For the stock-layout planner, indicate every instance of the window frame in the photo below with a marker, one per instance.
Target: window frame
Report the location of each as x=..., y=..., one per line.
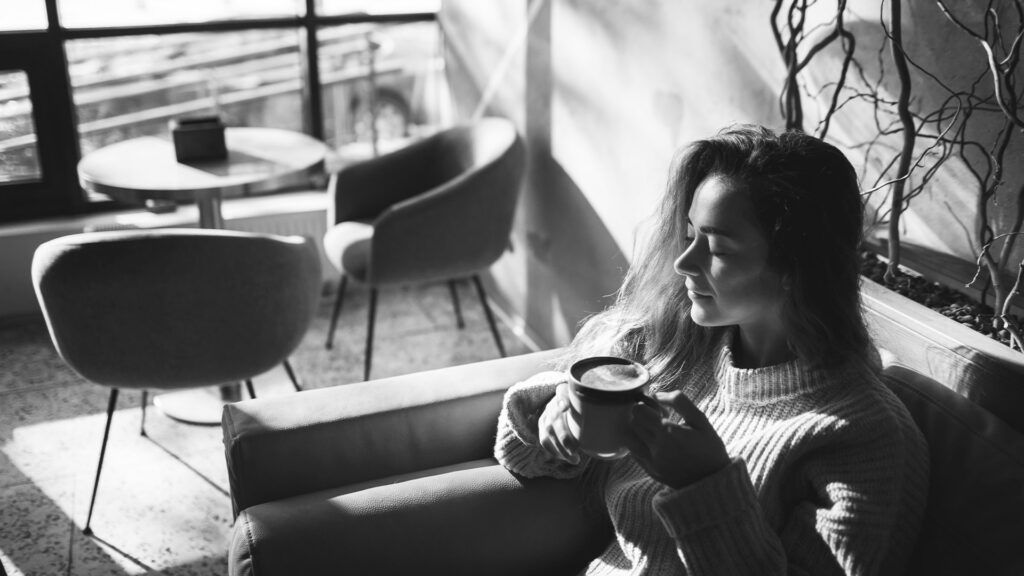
x=42, y=56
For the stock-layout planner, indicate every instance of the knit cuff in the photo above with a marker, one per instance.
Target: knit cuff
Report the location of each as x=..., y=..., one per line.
x=719, y=527
x=711, y=501
x=524, y=402
x=517, y=446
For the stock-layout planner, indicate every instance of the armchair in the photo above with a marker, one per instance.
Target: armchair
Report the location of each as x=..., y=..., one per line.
x=395, y=476
x=172, y=309
x=440, y=209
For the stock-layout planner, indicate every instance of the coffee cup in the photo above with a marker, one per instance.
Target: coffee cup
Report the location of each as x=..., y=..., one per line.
x=602, y=391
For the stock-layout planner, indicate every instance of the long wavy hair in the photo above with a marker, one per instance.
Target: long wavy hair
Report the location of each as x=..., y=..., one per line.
x=807, y=202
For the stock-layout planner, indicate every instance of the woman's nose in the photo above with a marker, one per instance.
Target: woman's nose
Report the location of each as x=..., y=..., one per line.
x=684, y=264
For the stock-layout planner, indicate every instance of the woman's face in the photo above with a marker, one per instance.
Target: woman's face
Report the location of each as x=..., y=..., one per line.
x=725, y=264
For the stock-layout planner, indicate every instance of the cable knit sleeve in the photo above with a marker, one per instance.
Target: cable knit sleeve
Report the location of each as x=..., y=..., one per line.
x=857, y=493
x=517, y=446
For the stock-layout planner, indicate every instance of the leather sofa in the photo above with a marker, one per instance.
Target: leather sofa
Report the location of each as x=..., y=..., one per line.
x=395, y=476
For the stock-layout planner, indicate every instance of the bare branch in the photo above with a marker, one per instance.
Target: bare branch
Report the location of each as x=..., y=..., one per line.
x=849, y=43
x=903, y=170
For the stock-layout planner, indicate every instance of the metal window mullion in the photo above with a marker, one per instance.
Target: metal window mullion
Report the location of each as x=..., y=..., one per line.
x=313, y=95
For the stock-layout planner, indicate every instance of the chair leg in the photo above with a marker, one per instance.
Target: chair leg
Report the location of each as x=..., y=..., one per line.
x=337, y=310
x=111, y=403
x=291, y=375
x=368, y=359
x=142, y=423
x=487, y=312
x=455, y=303
x=249, y=387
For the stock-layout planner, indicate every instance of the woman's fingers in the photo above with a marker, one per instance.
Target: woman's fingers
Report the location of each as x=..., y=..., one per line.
x=646, y=422
x=562, y=393
x=692, y=415
x=556, y=437
x=639, y=448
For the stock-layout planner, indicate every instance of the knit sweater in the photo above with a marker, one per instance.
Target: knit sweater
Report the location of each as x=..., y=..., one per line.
x=828, y=475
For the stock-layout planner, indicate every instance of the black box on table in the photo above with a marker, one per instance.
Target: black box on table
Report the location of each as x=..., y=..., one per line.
x=199, y=138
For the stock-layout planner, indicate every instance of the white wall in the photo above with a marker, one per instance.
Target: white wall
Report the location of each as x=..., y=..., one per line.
x=605, y=92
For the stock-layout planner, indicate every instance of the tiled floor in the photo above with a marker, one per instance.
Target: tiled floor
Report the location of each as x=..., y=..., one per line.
x=163, y=505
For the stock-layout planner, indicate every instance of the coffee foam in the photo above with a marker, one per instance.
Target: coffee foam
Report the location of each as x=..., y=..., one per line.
x=612, y=377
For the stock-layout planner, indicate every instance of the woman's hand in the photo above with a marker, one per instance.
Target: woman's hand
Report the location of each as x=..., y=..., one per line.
x=676, y=455
x=556, y=436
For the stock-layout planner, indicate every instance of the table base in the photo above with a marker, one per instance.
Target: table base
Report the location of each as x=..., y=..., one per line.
x=198, y=405
x=204, y=405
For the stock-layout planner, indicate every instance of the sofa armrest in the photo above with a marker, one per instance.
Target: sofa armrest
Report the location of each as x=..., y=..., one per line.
x=325, y=438
x=478, y=521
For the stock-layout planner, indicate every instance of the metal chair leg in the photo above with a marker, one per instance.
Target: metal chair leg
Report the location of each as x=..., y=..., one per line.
x=145, y=401
x=291, y=375
x=111, y=403
x=249, y=387
x=368, y=359
x=455, y=303
x=487, y=312
x=337, y=310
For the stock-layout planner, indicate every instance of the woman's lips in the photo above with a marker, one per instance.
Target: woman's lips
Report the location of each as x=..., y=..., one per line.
x=696, y=295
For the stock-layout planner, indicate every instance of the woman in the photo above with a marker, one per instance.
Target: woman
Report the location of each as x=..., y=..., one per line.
x=781, y=452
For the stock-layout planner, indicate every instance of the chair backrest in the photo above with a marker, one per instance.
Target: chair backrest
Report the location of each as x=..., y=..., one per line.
x=462, y=225
x=176, y=308
x=465, y=147
x=974, y=521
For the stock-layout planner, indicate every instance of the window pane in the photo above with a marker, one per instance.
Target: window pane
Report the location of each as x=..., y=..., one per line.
x=335, y=7
x=19, y=157
x=102, y=13
x=407, y=85
x=132, y=86
x=23, y=15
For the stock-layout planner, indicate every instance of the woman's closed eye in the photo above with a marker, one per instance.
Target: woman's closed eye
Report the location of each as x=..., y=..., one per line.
x=713, y=250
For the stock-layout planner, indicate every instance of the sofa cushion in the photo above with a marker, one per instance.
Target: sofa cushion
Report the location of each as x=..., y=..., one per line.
x=499, y=524
x=974, y=523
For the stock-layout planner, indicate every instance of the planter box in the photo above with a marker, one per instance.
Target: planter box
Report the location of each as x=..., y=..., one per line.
x=988, y=373
x=947, y=270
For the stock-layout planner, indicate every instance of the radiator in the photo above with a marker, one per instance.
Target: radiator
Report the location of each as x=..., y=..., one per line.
x=313, y=225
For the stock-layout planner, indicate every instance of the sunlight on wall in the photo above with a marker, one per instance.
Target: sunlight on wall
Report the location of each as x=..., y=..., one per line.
x=612, y=90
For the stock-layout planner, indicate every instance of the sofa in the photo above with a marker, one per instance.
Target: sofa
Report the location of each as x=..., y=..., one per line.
x=396, y=476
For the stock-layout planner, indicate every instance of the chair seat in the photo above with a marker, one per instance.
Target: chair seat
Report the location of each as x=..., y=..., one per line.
x=347, y=247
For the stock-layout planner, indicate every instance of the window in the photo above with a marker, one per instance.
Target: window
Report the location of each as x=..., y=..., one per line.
x=378, y=6
x=108, y=13
x=382, y=84
x=23, y=15
x=19, y=155
x=131, y=86
x=103, y=71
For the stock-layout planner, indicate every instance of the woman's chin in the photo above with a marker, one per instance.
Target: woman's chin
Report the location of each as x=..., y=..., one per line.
x=702, y=317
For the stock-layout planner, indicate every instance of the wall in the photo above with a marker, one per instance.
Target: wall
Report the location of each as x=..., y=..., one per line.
x=605, y=92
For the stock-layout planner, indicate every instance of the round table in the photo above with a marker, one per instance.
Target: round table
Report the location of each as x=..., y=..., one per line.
x=259, y=160
x=145, y=169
